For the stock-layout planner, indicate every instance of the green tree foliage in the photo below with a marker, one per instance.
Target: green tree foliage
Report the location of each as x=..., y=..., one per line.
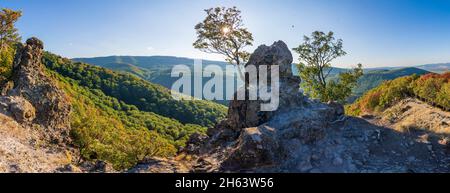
x=223, y=32
x=431, y=88
x=443, y=98
x=434, y=89
x=131, y=90
x=374, y=78
x=6, y=63
x=316, y=54
x=8, y=32
x=8, y=37
x=104, y=128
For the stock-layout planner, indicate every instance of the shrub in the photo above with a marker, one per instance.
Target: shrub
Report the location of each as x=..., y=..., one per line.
x=105, y=129
x=6, y=64
x=431, y=88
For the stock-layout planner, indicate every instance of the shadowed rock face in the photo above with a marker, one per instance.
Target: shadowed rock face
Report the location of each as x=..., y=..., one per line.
x=34, y=96
x=256, y=137
x=247, y=113
x=307, y=136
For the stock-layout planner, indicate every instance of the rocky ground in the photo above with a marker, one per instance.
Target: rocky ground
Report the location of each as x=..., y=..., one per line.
x=312, y=137
x=21, y=150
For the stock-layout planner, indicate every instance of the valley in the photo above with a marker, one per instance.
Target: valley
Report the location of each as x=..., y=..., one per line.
x=62, y=113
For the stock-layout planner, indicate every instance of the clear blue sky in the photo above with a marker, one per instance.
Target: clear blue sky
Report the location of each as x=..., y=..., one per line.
x=375, y=32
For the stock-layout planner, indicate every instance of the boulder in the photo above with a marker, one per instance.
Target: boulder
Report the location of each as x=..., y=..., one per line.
x=194, y=142
x=256, y=146
x=18, y=108
x=22, y=110
x=338, y=109
x=103, y=167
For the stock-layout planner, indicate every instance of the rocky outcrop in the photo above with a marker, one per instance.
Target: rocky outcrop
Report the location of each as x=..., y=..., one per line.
x=305, y=135
x=254, y=138
x=247, y=113
x=34, y=96
x=34, y=117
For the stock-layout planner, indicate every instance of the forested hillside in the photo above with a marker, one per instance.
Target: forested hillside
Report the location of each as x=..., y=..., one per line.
x=105, y=129
x=134, y=91
x=374, y=78
x=431, y=88
x=153, y=63
x=155, y=69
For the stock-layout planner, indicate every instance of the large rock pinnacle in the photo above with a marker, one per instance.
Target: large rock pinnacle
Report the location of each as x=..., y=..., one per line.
x=250, y=137
x=247, y=113
x=276, y=54
x=52, y=107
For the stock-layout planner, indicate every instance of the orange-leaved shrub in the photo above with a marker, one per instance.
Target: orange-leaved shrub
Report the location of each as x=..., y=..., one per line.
x=431, y=88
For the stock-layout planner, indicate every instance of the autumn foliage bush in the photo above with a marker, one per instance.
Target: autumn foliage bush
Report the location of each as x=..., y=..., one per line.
x=431, y=88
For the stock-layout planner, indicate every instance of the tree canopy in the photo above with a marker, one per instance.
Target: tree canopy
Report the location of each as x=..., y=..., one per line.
x=8, y=32
x=142, y=94
x=8, y=37
x=315, y=56
x=223, y=32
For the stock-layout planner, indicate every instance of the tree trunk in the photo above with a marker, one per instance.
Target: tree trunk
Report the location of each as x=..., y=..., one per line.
x=241, y=74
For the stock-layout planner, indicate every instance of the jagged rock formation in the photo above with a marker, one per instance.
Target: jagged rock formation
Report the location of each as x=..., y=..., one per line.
x=307, y=136
x=35, y=97
x=247, y=113
x=34, y=116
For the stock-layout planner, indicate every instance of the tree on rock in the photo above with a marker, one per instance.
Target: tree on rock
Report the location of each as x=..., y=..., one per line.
x=316, y=54
x=223, y=32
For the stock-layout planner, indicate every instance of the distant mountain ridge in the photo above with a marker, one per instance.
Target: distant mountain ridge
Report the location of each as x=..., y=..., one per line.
x=147, y=62
x=372, y=79
x=438, y=68
x=156, y=69
x=165, y=62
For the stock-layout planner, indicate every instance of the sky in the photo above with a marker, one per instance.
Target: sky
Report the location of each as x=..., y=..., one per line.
x=376, y=33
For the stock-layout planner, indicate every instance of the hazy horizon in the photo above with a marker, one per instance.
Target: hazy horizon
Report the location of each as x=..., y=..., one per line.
x=376, y=33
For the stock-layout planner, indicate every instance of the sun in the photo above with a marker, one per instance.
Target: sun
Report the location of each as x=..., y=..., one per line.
x=226, y=30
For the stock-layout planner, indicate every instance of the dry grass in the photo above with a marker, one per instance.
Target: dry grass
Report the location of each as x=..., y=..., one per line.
x=408, y=127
